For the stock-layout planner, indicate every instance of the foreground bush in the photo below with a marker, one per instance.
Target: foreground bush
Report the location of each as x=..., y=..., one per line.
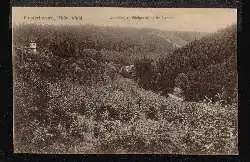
x=120, y=117
x=68, y=105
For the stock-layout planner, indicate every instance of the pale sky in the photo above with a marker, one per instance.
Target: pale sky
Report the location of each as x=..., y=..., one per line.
x=181, y=19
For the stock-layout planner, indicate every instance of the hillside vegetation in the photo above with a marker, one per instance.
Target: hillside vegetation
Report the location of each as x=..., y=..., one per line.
x=210, y=65
x=69, y=100
x=120, y=45
x=67, y=116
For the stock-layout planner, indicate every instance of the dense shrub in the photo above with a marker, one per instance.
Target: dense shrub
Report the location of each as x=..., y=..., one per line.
x=144, y=72
x=209, y=65
x=77, y=103
x=132, y=120
x=120, y=45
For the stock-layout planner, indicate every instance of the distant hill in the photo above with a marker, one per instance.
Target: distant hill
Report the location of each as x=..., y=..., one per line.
x=116, y=43
x=179, y=38
x=212, y=49
x=209, y=63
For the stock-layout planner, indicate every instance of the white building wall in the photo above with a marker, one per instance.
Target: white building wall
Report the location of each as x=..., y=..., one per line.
x=33, y=45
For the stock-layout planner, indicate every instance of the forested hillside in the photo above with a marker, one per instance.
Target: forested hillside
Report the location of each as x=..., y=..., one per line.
x=69, y=96
x=208, y=63
x=121, y=45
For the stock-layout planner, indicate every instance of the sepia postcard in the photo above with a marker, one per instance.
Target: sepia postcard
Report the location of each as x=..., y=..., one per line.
x=110, y=80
